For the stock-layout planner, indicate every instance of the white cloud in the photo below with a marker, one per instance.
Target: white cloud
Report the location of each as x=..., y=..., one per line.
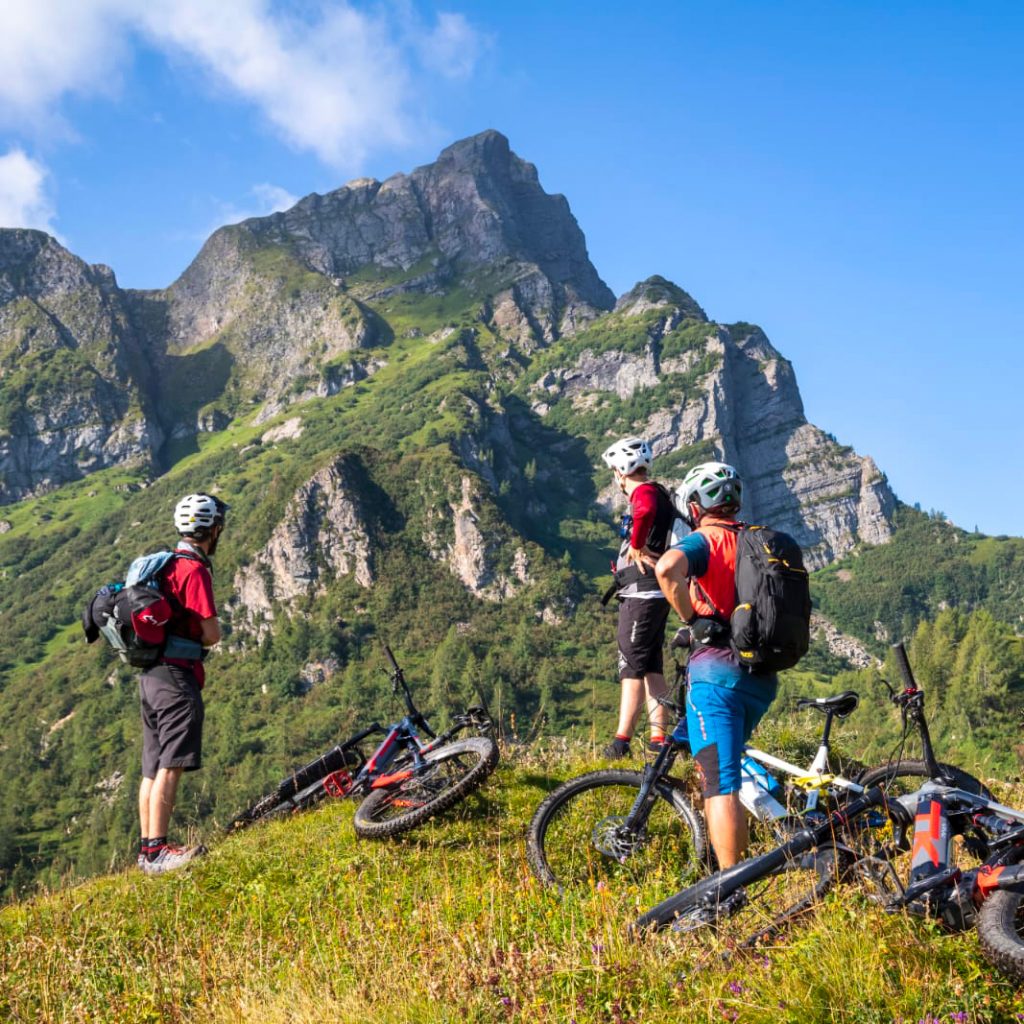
x=452, y=48
x=266, y=199
x=337, y=84
x=49, y=48
x=24, y=202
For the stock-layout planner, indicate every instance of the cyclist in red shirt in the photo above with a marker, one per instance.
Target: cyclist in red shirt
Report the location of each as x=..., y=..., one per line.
x=643, y=610
x=171, y=701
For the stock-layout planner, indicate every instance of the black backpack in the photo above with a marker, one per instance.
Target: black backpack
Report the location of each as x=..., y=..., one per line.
x=132, y=616
x=770, y=627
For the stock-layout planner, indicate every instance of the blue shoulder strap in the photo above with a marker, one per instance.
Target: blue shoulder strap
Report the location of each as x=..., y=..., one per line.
x=145, y=567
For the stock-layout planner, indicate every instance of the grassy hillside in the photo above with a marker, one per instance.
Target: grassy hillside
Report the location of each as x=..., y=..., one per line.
x=447, y=408
x=299, y=921
x=881, y=593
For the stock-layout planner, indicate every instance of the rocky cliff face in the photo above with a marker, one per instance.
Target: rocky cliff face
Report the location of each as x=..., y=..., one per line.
x=477, y=215
x=74, y=388
x=467, y=258
x=725, y=393
x=324, y=533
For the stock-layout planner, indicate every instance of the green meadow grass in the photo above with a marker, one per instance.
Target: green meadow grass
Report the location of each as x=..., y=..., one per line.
x=297, y=920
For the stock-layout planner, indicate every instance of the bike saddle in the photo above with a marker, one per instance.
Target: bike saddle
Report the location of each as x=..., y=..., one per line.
x=841, y=704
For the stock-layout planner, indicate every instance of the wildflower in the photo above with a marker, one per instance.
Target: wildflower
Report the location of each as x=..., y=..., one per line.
x=596, y=947
x=736, y=988
x=960, y=1017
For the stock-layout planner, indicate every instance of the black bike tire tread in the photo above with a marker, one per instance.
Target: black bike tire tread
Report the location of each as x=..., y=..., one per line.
x=917, y=769
x=548, y=807
x=998, y=936
x=271, y=806
x=368, y=829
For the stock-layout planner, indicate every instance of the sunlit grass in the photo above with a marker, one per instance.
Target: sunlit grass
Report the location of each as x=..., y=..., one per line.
x=300, y=921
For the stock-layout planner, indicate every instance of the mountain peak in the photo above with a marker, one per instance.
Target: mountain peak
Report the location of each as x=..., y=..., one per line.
x=477, y=206
x=657, y=291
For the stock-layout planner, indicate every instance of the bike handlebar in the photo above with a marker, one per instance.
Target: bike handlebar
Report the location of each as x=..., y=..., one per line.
x=391, y=658
x=903, y=664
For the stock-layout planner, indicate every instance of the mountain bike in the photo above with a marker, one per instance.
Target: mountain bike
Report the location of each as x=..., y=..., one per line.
x=907, y=850
x=641, y=828
x=403, y=782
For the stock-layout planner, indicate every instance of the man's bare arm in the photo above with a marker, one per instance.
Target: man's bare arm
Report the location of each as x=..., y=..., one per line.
x=210, y=634
x=672, y=571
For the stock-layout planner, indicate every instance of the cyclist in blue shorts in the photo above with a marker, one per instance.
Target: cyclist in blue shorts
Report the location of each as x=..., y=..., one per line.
x=724, y=702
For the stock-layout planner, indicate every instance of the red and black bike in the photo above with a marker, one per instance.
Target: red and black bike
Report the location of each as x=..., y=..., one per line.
x=404, y=782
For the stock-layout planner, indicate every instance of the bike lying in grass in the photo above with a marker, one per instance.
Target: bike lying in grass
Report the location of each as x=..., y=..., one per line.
x=642, y=829
x=404, y=781
x=942, y=850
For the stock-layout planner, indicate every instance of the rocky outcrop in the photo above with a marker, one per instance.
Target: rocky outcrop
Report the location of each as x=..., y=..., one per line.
x=733, y=397
x=324, y=534
x=842, y=644
x=474, y=553
x=476, y=216
x=74, y=386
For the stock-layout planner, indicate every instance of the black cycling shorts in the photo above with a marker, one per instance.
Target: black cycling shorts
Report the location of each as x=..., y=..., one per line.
x=172, y=720
x=641, y=636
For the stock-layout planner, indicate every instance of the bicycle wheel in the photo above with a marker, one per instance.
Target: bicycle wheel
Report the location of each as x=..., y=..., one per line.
x=752, y=902
x=577, y=839
x=302, y=789
x=449, y=774
x=1001, y=930
x=906, y=776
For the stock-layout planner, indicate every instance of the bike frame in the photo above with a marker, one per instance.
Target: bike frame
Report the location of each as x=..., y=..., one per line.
x=812, y=779
x=948, y=893
x=399, y=737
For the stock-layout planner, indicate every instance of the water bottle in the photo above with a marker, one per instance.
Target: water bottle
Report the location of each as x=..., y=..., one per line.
x=758, y=788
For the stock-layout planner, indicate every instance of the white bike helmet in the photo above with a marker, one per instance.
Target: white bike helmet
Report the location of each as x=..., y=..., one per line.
x=713, y=486
x=196, y=513
x=628, y=455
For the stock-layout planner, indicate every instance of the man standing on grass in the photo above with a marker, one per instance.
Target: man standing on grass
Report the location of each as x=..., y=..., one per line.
x=643, y=610
x=170, y=691
x=724, y=702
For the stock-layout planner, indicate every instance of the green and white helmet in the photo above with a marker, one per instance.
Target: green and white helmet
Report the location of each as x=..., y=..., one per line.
x=713, y=486
x=628, y=455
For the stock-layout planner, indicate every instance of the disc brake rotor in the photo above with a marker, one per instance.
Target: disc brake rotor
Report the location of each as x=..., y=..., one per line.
x=613, y=839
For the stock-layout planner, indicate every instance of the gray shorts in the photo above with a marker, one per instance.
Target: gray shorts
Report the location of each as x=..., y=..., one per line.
x=172, y=720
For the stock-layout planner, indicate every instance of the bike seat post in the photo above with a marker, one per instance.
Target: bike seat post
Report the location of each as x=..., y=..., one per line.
x=827, y=730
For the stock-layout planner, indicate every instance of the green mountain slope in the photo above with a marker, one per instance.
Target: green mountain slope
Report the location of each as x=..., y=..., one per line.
x=299, y=921
x=402, y=388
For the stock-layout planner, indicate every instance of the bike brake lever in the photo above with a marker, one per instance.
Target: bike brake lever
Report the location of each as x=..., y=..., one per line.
x=892, y=692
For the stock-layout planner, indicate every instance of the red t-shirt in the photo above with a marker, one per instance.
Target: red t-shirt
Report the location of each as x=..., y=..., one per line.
x=652, y=518
x=190, y=585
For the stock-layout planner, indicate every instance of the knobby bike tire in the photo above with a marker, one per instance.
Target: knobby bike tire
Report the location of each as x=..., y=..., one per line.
x=917, y=770
x=272, y=806
x=431, y=789
x=571, y=841
x=1001, y=932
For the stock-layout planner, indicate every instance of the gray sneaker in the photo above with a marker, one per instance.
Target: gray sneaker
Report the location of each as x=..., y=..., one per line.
x=170, y=858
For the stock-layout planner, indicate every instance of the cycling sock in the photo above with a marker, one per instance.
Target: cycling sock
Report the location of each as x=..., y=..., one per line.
x=155, y=846
x=622, y=739
x=143, y=846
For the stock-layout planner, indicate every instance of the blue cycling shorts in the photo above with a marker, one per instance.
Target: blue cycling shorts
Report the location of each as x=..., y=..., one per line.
x=720, y=720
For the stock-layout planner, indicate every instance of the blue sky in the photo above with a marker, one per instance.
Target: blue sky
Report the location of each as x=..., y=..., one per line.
x=846, y=175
